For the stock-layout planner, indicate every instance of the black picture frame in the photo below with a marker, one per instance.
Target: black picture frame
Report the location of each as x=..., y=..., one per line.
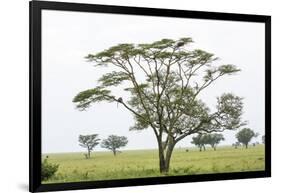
x=36, y=8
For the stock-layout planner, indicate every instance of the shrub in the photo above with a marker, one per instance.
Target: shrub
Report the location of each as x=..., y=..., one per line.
x=48, y=169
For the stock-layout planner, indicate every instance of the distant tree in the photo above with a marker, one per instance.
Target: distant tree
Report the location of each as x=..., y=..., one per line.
x=245, y=136
x=114, y=142
x=256, y=134
x=236, y=144
x=263, y=139
x=89, y=142
x=214, y=139
x=207, y=139
x=199, y=141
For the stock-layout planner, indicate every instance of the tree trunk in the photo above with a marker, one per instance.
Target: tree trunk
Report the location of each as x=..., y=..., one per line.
x=164, y=160
x=89, y=153
x=114, y=152
x=169, y=155
x=246, y=145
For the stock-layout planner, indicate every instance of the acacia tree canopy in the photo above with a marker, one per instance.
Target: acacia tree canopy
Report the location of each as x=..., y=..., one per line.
x=165, y=97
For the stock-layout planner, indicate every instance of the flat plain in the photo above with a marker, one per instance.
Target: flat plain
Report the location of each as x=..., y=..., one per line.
x=73, y=167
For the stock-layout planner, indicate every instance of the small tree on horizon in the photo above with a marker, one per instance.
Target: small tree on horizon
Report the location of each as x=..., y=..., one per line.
x=236, y=144
x=199, y=141
x=263, y=139
x=214, y=139
x=245, y=135
x=88, y=142
x=114, y=142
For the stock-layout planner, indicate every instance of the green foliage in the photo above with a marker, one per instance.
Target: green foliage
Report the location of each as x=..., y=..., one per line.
x=229, y=112
x=245, y=135
x=48, y=169
x=228, y=69
x=113, y=79
x=85, y=98
x=167, y=98
x=114, y=142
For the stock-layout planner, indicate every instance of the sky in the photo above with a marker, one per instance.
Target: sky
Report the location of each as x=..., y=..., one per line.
x=67, y=37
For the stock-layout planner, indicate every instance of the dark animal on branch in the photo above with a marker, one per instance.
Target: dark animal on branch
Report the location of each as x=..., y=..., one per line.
x=120, y=100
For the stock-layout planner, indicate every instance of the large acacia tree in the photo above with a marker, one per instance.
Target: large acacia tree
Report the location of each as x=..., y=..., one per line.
x=166, y=78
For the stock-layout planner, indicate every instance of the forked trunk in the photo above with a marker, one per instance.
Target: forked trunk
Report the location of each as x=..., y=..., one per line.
x=165, y=156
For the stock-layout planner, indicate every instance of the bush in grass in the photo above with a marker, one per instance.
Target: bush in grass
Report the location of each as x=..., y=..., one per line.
x=48, y=169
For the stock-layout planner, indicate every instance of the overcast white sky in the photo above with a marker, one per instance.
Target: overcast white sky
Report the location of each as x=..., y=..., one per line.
x=69, y=36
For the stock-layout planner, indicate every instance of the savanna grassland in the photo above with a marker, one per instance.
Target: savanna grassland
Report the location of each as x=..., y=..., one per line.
x=74, y=167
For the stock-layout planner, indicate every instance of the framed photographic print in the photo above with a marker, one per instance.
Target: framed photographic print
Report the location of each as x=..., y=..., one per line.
x=126, y=96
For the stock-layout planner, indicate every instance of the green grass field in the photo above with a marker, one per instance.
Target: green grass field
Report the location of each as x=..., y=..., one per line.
x=74, y=167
